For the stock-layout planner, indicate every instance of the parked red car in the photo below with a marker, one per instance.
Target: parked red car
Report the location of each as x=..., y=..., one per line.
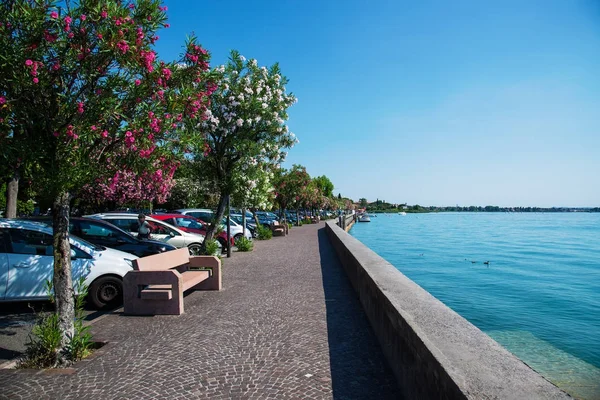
x=190, y=224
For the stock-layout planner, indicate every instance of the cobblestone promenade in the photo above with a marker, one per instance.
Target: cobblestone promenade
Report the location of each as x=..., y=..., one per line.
x=286, y=326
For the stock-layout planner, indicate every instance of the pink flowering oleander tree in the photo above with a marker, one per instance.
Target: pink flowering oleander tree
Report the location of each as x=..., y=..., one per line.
x=246, y=121
x=84, y=96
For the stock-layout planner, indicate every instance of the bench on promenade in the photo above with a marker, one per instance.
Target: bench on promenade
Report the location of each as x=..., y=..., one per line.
x=278, y=229
x=157, y=282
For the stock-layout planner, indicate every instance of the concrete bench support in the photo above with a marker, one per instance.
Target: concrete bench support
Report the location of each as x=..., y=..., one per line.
x=157, y=283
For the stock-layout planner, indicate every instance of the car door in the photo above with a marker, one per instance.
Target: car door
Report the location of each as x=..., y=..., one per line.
x=162, y=232
x=3, y=262
x=30, y=264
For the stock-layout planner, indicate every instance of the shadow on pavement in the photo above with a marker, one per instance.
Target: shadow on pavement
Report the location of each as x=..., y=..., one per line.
x=17, y=320
x=358, y=367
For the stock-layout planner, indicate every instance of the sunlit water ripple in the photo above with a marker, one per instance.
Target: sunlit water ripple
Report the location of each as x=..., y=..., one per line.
x=539, y=296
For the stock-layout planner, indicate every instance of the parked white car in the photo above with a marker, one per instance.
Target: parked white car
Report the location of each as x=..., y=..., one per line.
x=207, y=215
x=27, y=263
x=160, y=230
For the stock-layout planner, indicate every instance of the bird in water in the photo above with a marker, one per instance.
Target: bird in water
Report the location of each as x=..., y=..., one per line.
x=486, y=262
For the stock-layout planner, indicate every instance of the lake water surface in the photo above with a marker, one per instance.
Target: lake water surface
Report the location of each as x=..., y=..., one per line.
x=539, y=295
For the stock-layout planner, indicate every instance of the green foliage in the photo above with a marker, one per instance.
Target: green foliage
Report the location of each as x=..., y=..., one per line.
x=325, y=185
x=307, y=221
x=43, y=346
x=244, y=244
x=211, y=247
x=24, y=207
x=264, y=233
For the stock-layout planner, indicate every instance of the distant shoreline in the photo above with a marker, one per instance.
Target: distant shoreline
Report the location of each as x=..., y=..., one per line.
x=425, y=210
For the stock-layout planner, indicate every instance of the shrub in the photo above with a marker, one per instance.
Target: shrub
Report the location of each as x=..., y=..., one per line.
x=264, y=233
x=244, y=244
x=307, y=221
x=42, y=349
x=211, y=247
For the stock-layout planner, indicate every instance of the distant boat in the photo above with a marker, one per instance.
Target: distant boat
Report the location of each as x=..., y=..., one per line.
x=364, y=218
x=402, y=213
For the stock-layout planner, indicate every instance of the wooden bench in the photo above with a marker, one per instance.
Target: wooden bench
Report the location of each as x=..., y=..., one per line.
x=278, y=229
x=157, y=282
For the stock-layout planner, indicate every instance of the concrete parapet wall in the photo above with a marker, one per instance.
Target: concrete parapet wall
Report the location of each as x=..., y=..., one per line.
x=434, y=352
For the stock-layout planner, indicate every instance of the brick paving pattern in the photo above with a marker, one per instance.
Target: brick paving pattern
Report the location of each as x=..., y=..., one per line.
x=287, y=325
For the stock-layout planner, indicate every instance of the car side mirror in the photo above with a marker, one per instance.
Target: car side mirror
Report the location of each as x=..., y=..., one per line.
x=171, y=234
x=73, y=254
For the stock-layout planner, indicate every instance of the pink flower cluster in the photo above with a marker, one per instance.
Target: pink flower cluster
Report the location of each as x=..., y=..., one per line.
x=34, y=65
x=67, y=21
x=154, y=123
x=50, y=37
x=70, y=133
x=147, y=58
x=123, y=46
x=196, y=55
x=139, y=37
x=128, y=187
x=80, y=107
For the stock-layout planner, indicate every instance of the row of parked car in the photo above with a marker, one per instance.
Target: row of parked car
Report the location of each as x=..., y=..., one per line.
x=103, y=247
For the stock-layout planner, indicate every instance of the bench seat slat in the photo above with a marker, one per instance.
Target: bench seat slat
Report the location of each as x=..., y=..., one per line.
x=192, y=278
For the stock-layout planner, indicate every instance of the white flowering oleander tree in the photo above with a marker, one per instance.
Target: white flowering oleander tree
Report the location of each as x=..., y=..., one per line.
x=253, y=186
x=245, y=123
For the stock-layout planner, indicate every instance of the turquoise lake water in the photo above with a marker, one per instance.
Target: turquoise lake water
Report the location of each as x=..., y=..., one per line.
x=539, y=296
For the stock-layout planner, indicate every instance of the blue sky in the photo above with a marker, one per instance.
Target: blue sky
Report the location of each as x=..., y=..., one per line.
x=431, y=102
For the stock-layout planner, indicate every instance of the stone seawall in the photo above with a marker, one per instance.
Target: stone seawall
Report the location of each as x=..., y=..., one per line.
x=434, y=352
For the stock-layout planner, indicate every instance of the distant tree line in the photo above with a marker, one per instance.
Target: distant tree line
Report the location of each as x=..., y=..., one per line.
x=383, y=206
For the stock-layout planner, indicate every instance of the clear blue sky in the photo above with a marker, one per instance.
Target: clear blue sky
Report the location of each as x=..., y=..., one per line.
x=430, y=102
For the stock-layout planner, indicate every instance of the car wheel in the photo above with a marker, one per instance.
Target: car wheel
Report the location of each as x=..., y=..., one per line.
x=106, y=291
x=195, y=249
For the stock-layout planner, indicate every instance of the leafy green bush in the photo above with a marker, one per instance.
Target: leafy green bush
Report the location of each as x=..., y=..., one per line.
x=244, y=244
x=264, y=233
x=211, y=247
x=307, y=221
x=43, y=348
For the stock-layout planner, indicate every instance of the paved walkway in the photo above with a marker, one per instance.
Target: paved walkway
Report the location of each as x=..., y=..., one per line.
x=287, y=325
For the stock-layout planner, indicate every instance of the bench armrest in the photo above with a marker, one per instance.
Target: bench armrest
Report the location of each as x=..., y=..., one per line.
x=211, y=264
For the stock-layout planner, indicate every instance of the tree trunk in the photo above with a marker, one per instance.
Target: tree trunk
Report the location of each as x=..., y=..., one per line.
x=256, y=221
x=12, y=190
x=63, y=284
x=210, y=233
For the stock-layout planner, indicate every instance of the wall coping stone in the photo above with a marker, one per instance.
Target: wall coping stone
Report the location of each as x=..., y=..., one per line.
x=478, y=365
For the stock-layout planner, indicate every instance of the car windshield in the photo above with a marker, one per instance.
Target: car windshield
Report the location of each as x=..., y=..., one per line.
x=233, y=223
x=85, y=245
x=188, y=223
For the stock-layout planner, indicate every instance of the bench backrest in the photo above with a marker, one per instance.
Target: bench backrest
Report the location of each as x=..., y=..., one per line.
x=162, y=261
